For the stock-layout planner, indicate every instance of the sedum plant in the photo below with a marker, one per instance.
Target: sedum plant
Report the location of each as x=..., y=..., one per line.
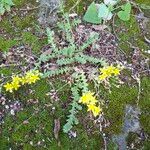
x=67, y=57
x=80, y=86
x=5, y=5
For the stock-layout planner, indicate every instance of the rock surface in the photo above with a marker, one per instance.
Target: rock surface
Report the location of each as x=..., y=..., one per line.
x=131, y=124
x=48, y=12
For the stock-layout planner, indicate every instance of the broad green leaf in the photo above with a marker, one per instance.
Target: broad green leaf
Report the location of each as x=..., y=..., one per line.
x=111, y=2
x=9, y=2
x=2, y=10
x=7, y=7
x=91, y=15
x=123, y=15
x=104, y=12
x=126, y=7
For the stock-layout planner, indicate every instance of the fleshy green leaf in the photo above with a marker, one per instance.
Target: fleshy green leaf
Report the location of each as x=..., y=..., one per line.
x=91, y=15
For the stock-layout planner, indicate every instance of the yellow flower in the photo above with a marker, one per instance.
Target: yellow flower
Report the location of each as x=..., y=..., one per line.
x=109, y=71
x=9, y=87
x=88, y=98
x=103, y=77
x=116, y=71
x=23, y=80
x=16, y=79
x=32, y=77
x=15, y=85
x=96, y=110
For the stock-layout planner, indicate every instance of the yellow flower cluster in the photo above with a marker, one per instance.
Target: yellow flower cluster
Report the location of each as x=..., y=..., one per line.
x=108, y=72
x=29, y=78
x=91, y=102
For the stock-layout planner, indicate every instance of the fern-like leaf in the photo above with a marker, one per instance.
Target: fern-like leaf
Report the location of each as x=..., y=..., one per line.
x=56, y=72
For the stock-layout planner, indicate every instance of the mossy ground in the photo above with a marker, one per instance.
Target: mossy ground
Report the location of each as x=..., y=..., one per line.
x=19, y=134
x=40, y=124
x=130, y=36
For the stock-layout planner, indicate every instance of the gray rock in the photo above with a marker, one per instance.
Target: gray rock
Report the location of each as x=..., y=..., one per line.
x=48, y=12
x=131, y=124
x=131, y=121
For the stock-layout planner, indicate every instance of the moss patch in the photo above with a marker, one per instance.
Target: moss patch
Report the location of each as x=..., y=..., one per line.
x=7, y=71
x=22, y=3
x=117, y=102
x=33, y=41
x=36, y=122
x=5, y=44
x=5, y=24
x=25, y=22
x=145, y=104
x=130, y=35
x=77, y=8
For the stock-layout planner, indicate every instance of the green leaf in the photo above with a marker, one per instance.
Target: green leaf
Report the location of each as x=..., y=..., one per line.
x=110, y=2
x=104, y=12
x=9, y=2
x=91, y=15
x=2, y=10
x=76, y=121
x=124, y=14
x=67, y=127
x=7, y=7
x=127, y=7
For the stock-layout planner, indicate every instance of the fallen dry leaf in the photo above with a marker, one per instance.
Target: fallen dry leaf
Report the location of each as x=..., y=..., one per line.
x=56, y=128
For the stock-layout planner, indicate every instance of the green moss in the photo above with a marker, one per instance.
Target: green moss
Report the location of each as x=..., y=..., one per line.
x=21, y=134
x=39, y=91
x=6, y=44
x=77, y=8
x=146, y=2
x=146, y=145
x=25, y=22
x=41, y=88
x=22, y=3
x=125, y=47
x=144, y=104
x=117, y=102
x=33, y=41
x=7, y=71
x=112, y=146
x=130, y=35
x=6, y=25
x=41, y=122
